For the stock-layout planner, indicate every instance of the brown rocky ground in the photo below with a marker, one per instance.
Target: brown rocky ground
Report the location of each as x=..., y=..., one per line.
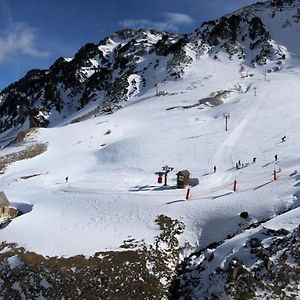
x=32, y=150
x=137, y=272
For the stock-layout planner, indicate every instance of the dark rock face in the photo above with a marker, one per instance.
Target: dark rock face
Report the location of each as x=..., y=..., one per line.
x=227, y=28
x=235, y=32
x=266, y=267
x=257, y=29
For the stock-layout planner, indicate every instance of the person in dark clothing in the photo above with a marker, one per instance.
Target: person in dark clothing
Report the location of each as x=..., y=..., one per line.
x=237, y=166
x=275, y=157
x=215, y=169
x=67, y=179
x=254, y=160
x=283, y=139
x=239, y=162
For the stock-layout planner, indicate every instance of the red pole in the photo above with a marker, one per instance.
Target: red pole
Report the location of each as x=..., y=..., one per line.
x=187, y=193
x=274, y=175
x=234, y=185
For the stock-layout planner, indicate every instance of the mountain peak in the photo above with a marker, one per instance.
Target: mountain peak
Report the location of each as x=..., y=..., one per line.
x=259, y=34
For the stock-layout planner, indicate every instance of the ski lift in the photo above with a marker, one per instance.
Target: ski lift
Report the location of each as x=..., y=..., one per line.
x=159, y=179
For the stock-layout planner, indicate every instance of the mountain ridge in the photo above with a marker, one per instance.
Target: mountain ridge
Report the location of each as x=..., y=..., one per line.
x=130, y=62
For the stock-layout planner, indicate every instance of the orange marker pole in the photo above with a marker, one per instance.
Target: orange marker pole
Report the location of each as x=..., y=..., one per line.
x=187, y=193
x=234, y=185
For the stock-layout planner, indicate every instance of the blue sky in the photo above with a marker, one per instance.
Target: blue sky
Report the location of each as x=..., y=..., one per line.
x=34, y=33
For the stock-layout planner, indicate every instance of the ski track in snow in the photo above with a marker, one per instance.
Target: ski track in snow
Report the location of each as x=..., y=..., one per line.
x=223, y=157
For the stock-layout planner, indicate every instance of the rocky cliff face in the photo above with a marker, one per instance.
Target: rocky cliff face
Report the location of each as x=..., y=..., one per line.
x=115, y=70
x=130, y=62
x=265, y=267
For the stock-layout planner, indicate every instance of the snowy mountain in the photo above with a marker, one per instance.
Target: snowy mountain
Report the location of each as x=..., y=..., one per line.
x=93, y=218
x=117, y=69
x=131, y=62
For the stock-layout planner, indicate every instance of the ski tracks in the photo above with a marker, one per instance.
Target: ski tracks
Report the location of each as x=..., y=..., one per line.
x=223, y=157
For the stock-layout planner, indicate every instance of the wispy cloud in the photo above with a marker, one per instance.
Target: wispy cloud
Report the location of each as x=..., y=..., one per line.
x=171, y=22
x=178, y=18
x=19, y=39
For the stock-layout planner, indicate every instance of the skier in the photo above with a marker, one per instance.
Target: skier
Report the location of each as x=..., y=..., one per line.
x=283, y=139
x=254, y=160
x=239, y=162
x=67, y=179
x=275, y=157
x=215, y=169
x=237, y=166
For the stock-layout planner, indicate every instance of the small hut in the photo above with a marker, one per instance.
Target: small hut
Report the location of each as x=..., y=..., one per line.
x=183, y=179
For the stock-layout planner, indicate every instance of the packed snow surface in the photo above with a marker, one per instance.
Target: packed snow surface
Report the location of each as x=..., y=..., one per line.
x=112, y=192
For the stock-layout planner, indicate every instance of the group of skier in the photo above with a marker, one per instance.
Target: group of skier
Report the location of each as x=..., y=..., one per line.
x=239, y=164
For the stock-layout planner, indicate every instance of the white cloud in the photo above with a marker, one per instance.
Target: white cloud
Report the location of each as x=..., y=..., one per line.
x=178, y=18
x=171, y=22
x=19, y=39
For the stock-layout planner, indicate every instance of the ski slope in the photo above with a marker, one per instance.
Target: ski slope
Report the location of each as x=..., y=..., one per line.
x=112, y=194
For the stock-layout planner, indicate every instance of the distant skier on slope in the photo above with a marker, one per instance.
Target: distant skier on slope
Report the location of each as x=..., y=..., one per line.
x=215, y=169
x=283, y=139
x=275, y=157
x=67, y=179
x=254, y=160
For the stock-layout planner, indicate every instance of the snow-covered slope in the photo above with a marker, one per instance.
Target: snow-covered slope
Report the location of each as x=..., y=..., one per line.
x=112, y=193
